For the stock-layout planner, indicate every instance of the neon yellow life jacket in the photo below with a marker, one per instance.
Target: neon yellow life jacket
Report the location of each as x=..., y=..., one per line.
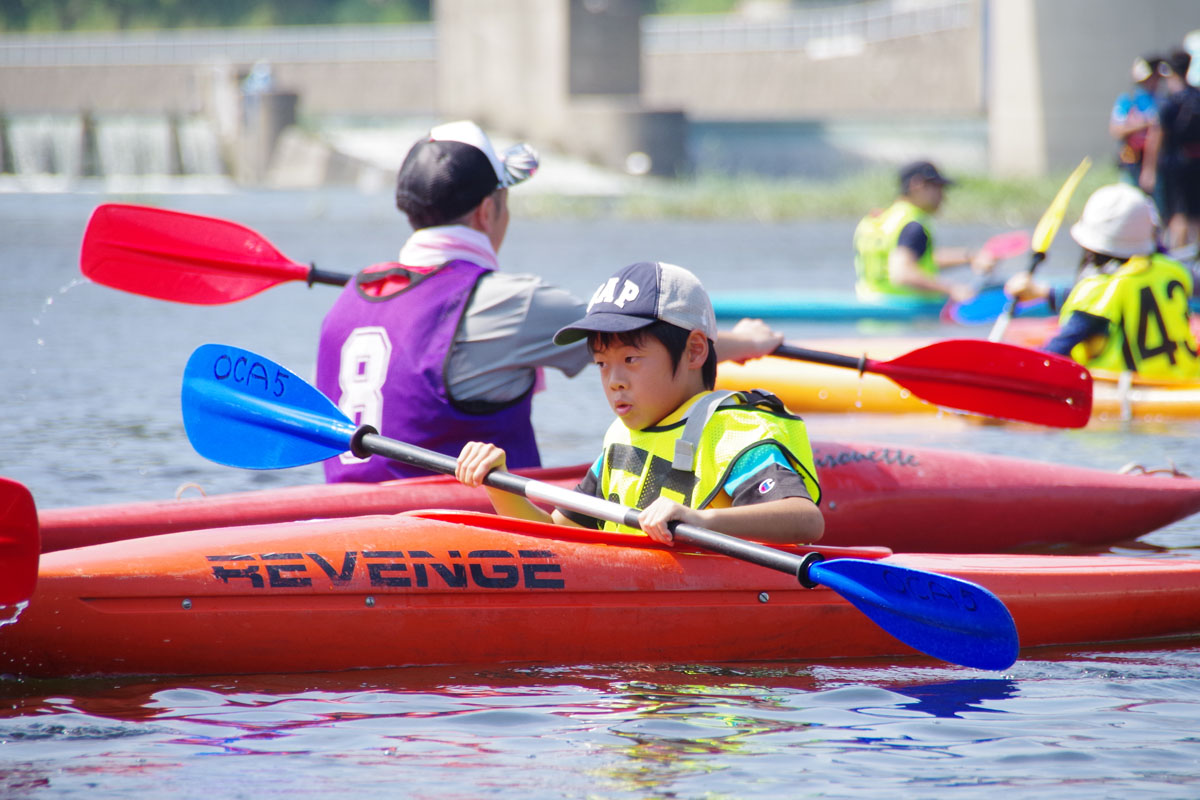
x=1146, y=304
x=874, y=240
x=640, y=466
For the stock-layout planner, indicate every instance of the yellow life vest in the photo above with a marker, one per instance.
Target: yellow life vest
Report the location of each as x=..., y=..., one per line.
x=1146, y=304
x=639, y=466
x=874, y=240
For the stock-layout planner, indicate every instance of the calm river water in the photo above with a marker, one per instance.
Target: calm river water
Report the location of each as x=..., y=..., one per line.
x=90, y=414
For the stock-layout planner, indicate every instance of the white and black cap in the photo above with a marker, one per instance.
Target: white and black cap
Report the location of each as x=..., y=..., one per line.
x=452, y=169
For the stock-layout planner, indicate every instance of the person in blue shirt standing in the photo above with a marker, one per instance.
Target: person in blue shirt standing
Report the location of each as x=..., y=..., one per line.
x=1133, y=114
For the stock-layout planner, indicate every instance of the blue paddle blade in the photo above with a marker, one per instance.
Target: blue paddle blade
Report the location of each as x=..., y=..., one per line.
x=945, y=617
x=986, y=306
x=242, y=410
x=982, y=308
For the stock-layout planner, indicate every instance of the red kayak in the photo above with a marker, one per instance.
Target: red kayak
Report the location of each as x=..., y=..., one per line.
x=905, y=498
x=462, y=588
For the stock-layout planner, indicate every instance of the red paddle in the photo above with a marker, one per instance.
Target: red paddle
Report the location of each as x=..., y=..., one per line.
x=187, y=258
x=19, y=543
x=1007, y=245
x=991, y=378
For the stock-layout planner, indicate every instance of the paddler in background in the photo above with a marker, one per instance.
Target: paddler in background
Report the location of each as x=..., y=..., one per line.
x=442, y=348
x=894, y=252
x=1129, y=310
x=738, y=463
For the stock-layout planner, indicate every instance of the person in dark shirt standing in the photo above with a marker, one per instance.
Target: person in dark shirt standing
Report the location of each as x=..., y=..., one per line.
x=1173, y=154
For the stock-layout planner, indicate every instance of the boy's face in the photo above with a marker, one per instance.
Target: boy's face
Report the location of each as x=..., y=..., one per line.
x=640, y=384
x=926, y=195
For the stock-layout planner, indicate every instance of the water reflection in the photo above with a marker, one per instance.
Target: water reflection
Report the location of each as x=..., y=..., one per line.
x=617, y=730
x=955, y=697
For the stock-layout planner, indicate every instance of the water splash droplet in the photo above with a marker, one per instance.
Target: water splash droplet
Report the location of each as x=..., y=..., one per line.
x=10, y=614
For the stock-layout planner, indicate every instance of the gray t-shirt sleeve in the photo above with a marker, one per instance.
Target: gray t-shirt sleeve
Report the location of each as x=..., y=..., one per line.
x=507, y=333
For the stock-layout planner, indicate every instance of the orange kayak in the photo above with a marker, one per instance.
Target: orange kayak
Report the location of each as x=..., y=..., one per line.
x=462, y=588
x=905, y=498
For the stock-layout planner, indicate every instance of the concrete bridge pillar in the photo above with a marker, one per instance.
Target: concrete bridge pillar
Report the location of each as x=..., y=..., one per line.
x=1056, y=67
x=265, y=116
x=560, y=72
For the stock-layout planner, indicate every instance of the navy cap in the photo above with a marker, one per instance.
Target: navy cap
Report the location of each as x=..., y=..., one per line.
x=924, y=170
x=640, y=294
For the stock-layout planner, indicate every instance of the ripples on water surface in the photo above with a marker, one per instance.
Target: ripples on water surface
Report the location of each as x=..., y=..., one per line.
x=1084, y=725
x=90, y=415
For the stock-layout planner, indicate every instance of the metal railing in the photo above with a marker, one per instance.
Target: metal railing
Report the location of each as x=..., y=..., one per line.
x=235, y=45
x=798, y=29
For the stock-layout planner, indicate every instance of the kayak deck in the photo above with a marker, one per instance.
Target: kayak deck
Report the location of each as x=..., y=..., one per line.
x=822, y=306
x=451, y=588
x=905, y=498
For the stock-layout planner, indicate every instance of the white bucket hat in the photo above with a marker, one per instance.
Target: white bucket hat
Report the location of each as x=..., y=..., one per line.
x=1118, y=220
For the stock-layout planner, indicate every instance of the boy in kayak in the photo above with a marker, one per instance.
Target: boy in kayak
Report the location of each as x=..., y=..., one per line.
x=1129, y=311
x=737, y=463
x=894, y=254
x=443, y=348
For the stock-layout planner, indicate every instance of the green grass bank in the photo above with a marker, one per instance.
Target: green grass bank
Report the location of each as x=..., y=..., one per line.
x=1012, y=202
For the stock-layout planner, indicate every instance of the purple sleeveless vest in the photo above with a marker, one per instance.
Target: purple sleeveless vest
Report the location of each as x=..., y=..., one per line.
x=383, y=361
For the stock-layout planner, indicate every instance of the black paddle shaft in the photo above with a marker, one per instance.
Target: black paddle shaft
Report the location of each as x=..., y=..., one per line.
x=366, y=441
x=328, y=278
x=821, y=357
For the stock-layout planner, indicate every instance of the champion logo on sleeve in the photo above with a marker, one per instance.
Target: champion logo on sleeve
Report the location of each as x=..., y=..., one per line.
x=766, y=486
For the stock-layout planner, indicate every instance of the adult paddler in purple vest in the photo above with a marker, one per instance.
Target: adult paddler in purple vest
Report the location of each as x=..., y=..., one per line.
x=442, y=348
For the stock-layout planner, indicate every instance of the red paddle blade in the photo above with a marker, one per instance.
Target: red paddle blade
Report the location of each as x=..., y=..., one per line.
x=187, y=258
x=996, y=379
x=19, y=544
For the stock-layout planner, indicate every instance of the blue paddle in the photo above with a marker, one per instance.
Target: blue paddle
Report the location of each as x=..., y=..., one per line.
x=986, y=306
x=242, y=410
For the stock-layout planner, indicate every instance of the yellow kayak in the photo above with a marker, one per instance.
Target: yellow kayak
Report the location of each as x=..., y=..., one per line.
x=806, y=387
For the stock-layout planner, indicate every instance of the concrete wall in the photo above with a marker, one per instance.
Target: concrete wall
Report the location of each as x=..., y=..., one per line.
x=937, y=73
x=503, y=64
x=1058, y=65
x=561, y=72
x=70, y=89
x=519, y=64
x=371, y=88
x=1044, y=74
